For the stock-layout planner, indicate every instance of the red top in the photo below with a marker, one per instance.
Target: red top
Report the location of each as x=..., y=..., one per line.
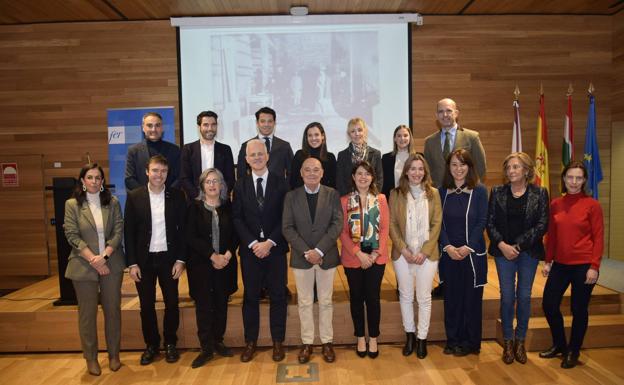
x=349, y=248
x=575, y=231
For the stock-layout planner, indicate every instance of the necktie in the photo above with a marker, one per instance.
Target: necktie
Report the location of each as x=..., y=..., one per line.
x=267, y=143
x=447, y=144
x=259, y=192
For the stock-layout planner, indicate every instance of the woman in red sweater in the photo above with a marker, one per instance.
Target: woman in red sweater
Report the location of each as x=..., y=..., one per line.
x=573, y=254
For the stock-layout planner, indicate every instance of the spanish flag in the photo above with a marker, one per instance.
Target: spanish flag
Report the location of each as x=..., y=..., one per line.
x=541, y=149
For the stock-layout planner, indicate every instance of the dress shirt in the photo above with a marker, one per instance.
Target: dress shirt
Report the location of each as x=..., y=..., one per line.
x=453, y=132
x=158, y=242
x=207, y=155
x=399, y=162
x=264, y=177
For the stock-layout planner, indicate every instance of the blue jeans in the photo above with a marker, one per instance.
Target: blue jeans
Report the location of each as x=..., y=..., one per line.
x=516, y=297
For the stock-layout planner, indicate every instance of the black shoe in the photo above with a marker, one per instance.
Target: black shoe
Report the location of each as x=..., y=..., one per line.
x=461, y=351
x=410, y=340
x=264, y=293
x=372, y=355
x=448, y=350
x=171, y=353
x=438, y=292
x=570, y=360
x=360, y=353
x=553, y=352
x=203, y=357
x=223, y=350
x=421, y=348
x=148, y=355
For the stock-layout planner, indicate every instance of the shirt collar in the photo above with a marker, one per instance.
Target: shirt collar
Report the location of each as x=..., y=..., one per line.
x=263, y=176
x=307, y=190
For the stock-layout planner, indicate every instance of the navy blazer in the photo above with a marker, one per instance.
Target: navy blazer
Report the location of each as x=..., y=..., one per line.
x=535, y=220
x=476, y=219
x=249, y=219
x=138, y=225
x=136, y=163
x=280, y=158
x=191, y=166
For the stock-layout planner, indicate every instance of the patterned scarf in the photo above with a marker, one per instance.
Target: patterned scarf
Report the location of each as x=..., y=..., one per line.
x=366, y=229
x=358, y=152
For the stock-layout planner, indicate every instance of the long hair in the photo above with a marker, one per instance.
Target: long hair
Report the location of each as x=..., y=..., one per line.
x=81, y=196
x=223, y=194
x=571, y=165
x=426, y=183
x=411, y=147
x=305, y=146
x=472, y=179
x=527, y=165
x=372, y=189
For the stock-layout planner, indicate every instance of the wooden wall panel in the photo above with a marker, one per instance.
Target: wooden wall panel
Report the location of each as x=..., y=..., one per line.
x=617, y=144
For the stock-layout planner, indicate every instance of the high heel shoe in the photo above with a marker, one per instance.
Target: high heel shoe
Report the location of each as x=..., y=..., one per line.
x=372, y=354
x=360, y=353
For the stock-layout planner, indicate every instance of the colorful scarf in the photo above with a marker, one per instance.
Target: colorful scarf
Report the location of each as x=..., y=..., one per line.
x=364, y=230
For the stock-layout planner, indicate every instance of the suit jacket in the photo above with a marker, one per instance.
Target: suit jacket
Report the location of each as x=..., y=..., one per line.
x=136, y=162
x=464, y=138
x=250, y=219
x=138, y=225
x=398, y=218
x=199, y=245
x=81, y=232
x=303, y=234
x=344, y=168
x=191, y=166
x=387, y=166
x=280, y=158
x=534, y=225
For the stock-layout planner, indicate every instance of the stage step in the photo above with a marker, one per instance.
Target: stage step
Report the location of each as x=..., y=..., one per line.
x=604, y=330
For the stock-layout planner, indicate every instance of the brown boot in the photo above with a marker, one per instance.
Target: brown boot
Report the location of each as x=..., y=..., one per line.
x=520, y=352
x=508, y=352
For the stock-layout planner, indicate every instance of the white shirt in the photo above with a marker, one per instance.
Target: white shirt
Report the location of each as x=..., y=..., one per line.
x=399, y=162
x=207, y=155
x=158, y=242
x=264, y=177
x=96, y=210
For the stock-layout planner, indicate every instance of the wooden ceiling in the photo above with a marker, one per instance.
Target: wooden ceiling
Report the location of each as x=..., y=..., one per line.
x=55, y=11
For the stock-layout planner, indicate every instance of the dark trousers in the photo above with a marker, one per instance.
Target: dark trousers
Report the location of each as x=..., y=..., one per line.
x=158, y=268
x=462, y=305
x=560, y=277
x=210, y=305
x=272, y=271
x=364, y=286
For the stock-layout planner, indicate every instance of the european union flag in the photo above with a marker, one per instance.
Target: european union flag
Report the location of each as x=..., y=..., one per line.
x=591, y=158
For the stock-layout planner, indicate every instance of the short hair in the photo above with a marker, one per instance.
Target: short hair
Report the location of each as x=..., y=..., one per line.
x=411, y=148
x=571, y=165
x=148, y=114
x=426, y=183
x=366, y=166
x=265, y=110
x=353, y=121
x=305, y=146
x=223, y=194
x=255, y=141
x=160, y=159
x=80, y=195
x=527, y=164
x=312, y=157
x=206, y=114
x=472, y=179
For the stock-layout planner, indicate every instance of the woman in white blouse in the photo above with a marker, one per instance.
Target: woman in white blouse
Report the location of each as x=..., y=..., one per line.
x=392, y=162
x=94, y=230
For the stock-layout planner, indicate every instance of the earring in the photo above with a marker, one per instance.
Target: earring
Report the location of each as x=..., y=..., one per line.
x=84, y=188
x=102, y=188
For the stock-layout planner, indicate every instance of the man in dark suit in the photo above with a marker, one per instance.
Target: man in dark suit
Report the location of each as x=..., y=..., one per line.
x=155, y=250
x=139, y=154
x=280, y=152
x=203, y=154
x=257, y=213
x=312, y=235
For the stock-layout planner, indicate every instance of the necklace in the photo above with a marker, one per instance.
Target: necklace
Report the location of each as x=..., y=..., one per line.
x=519, y=193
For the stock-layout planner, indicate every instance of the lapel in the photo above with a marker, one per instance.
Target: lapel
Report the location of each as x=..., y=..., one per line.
x=501, y=198
x=143, y=155
x=148, y=207
x=218, y=164
x=196, y=158
x=531, y=204
x=86, y=212
x=320, y=203
x=169, y=206
x=250, y=191
x=460, y=139
x=105, y=221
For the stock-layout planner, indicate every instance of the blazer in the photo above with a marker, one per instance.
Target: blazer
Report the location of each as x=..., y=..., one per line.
x=136, y=163
x=191, y=166
x=464, y=138
x=534, y=225
x=81, y=232
x=344, y=168
x=329, y=170
x=387, y=166
x=138, y=225
x=476, y=219
x=250, y=220
x=398, y=219
x=199, y=244
x=280, y=158
x=303, y=234
x=349, y=248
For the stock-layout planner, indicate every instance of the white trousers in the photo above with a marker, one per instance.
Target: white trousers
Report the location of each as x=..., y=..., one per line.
x=421, y=276
x=304, y=279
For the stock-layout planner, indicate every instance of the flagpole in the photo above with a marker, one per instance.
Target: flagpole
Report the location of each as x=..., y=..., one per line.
x=516, y=134
x=541, y=146
x=591, y=156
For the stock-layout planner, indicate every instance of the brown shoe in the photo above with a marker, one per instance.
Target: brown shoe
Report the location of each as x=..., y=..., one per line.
x=93, y=366
x=278, y=351
x=114, y=364
x=304, y=354
x=328, y=353
x=520, y=352
x=249, y=351
x=508, y=353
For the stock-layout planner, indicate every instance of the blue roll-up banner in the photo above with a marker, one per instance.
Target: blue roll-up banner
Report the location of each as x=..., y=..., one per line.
x=124, y=130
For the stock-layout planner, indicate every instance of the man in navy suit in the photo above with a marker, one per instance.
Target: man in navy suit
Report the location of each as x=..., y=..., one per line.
x=139, y=154
x=257, y=215
x=280, y=152
x=203, y=154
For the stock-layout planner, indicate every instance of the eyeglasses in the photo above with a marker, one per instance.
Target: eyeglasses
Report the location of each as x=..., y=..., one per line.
x=211, y=182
